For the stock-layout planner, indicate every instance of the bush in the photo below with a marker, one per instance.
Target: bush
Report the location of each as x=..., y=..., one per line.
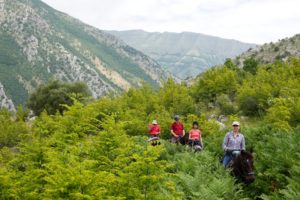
x=11, y=131
x=200, y=176
x=250, y=65
x=225, y=104
x=249, y=105
x=53, y=96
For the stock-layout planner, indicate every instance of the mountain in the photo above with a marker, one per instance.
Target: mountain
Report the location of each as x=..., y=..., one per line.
x=184, y=54
x=38, y=43
x=270, y=52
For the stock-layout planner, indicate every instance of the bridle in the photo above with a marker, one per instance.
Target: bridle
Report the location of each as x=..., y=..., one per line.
x=251, y=173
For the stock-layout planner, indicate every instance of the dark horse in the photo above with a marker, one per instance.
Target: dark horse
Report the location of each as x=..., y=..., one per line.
x=195, y=145
x=242, y=167
x=154, y=141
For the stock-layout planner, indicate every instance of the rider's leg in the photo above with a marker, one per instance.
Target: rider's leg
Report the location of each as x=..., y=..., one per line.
x=197, y=142
x=227, y=159
x=174, y=139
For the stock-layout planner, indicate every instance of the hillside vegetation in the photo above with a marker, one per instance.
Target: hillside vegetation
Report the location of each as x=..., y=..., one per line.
x=39, y=43
x=270, y=52
x=99, y=150
x=184, y=54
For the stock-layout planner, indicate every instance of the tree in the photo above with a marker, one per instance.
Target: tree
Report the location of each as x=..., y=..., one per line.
x=230, y=65
x=214, y=82
x=250, y=65
x=176, y=98
x=53, y=96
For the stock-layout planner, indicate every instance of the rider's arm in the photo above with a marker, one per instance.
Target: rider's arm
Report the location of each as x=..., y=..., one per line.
x=150, y=127
x=225, y=141
x=183, y=132
x=172, y=132
x=243, y=146
x=201, y=142
x=189, y=135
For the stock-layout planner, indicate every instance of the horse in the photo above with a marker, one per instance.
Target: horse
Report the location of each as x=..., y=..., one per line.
x=194, y=145
x=154, y=141
x=242, y=167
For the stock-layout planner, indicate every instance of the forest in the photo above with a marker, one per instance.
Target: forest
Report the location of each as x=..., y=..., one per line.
x=98, y=149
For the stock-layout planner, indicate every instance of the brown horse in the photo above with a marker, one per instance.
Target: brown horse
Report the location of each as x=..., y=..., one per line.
x=242, y=167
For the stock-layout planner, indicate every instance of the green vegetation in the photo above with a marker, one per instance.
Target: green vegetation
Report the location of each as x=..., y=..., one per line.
x=12, y=63
x=99, y=150
x=55, y=96
x=250, y=65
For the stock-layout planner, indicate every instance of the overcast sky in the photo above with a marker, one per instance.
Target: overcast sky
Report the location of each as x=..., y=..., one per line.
x=256, y=21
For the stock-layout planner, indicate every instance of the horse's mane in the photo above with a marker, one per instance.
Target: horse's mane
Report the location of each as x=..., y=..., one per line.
x=243, y=156
x=246, y=155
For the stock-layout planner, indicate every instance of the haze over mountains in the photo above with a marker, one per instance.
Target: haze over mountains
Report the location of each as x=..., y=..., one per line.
x=184, y=54
x=38, y=43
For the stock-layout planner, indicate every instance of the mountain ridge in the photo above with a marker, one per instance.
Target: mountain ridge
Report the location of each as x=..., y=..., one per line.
x=185, y=54
x=270, y=52
x=181, y=32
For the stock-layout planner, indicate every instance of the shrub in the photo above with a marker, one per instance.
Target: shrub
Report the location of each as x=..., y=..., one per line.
x=11, y=131
x=53, y=96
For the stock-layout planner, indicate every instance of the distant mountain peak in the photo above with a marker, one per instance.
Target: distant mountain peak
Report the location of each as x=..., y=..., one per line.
x=185, y=54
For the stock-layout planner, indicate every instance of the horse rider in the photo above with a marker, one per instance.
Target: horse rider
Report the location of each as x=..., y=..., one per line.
x=177, y=130
x=195, y=137
x=233, y=143
x=154, y=129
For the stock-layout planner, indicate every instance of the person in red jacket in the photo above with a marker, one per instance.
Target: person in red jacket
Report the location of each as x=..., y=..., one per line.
x=177, y=130
x=154, y=129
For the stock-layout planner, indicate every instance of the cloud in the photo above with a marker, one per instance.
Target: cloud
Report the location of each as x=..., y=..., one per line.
x=255, y=21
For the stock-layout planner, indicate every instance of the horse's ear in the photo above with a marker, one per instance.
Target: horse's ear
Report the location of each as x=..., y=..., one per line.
x=251, y=150
x=243, y=152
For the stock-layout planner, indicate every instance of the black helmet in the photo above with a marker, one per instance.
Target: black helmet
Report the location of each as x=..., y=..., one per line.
x=195, y=123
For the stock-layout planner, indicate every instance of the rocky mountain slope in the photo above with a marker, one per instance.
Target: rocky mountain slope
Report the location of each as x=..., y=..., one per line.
x=184, y=54
x=38, y=43
x=270, y=52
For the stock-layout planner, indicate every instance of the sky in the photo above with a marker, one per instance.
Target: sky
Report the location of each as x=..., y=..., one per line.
x=253, y=21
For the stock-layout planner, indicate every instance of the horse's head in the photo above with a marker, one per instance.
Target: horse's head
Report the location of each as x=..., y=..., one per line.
x=243, y=167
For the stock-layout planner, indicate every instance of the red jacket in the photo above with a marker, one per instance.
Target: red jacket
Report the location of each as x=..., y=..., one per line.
x=177, y=128
x=154, y=129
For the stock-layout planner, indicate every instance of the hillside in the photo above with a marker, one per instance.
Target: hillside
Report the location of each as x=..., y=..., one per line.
x=38, y=43
x=184, y=54
x=99, y=150
x=270, y=52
